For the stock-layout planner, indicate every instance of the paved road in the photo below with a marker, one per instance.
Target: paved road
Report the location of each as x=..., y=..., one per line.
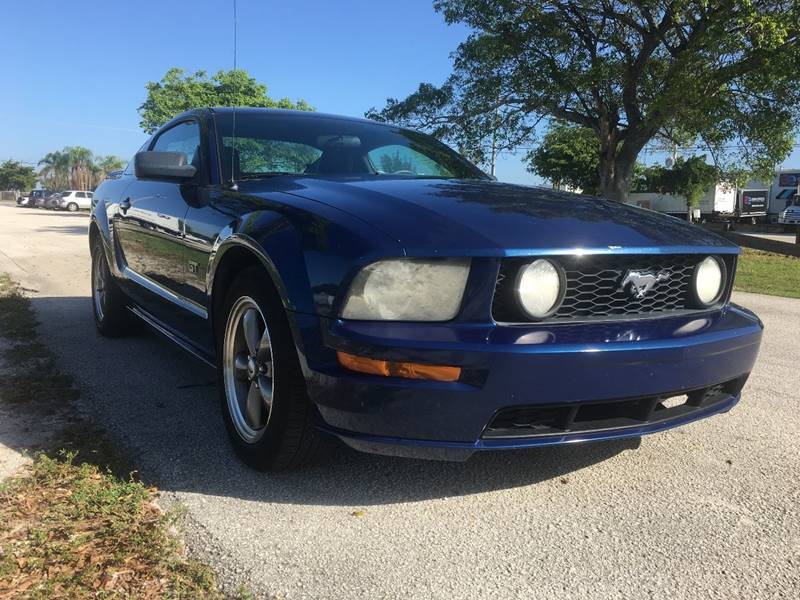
x=708, y=511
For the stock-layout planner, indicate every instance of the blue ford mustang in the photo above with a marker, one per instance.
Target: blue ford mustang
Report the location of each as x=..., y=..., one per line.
x=364, y=281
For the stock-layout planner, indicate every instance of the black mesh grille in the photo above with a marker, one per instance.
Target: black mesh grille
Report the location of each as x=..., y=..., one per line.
x=594, y=291
x=532, y=421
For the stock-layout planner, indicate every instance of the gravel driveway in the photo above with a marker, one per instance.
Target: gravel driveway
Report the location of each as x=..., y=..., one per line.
x=711, y=510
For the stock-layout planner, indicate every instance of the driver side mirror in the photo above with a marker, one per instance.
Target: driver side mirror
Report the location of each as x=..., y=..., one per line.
x=162, y=165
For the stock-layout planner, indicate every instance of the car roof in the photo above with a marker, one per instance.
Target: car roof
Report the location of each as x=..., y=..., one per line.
x=287, y=112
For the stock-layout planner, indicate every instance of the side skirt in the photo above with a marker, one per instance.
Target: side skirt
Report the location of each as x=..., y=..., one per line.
x=172, y=336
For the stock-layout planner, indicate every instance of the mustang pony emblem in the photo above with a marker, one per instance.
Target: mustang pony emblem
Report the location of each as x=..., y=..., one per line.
x=641, y=282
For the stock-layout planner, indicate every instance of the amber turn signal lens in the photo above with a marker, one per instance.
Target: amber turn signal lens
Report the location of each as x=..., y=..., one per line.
x=407, y=370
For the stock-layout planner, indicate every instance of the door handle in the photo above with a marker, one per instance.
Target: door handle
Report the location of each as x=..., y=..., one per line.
x=125, y=205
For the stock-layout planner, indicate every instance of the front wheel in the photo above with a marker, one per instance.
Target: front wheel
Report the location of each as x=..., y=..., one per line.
x=72, y=207
x=267, y=411
x=109, y=305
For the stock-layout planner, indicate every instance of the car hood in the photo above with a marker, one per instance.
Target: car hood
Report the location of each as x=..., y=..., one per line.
x=432, y=216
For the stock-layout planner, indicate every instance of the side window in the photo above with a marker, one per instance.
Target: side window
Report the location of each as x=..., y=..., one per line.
x=129, y=167
x=81, y=194
x=183, y=137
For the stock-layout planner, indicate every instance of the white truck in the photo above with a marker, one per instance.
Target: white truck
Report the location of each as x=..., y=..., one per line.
x=785, y=196
x=723, y=202
x=774, y=202
x=782, y=194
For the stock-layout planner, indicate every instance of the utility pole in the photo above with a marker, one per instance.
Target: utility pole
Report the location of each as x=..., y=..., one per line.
x=494, y=140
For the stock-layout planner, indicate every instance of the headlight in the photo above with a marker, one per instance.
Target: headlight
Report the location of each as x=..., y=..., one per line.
x=540, y=288
x=709, y=281
x=407, y=290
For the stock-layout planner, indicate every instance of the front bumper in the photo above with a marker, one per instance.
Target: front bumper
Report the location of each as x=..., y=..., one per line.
x=562, y=367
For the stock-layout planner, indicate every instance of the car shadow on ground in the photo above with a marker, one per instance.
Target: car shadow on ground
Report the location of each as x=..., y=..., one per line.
x=81, y=214
x=76, y=229
x=162, y=406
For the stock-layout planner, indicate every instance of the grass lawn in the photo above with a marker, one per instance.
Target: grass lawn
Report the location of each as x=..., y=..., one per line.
x=768, y=273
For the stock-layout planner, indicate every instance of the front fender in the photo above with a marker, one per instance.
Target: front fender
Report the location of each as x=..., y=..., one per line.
x=309, y=254
x=100, y=228
x=232, y=241
x=107, y=195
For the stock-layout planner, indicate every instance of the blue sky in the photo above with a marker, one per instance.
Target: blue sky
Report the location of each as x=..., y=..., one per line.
x=77, y=69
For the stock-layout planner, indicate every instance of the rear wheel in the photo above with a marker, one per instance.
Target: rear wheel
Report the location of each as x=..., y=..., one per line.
x=267, y=411
x=72, y=207
x=109, y=305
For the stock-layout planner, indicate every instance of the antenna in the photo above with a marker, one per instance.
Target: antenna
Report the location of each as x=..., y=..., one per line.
x=232, y=182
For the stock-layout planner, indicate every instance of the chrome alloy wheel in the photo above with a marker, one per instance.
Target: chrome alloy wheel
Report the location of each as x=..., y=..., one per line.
x=248, y=369
x=99, y=285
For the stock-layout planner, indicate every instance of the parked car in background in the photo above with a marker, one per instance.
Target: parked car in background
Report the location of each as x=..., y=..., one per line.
x=46, y=200
x=74, y=200
x=366, y=282
x=22, y=200
x=36, y=198
x=51, y=202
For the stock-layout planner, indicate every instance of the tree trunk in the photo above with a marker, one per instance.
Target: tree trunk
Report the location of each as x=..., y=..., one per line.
x=615, y=177
x=609, y=186
x=689, y=215
x=617, y=162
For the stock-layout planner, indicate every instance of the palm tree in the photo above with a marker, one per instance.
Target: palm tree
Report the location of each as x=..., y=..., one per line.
x=76, y=167
x=106, y=164
x=81, y=161
x=55, y=172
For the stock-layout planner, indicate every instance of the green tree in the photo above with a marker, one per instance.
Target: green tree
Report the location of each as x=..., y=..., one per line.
x=689, y=177
x=16, y=176
x=568, y=156
x=179, y=91
x=445, y=113
x=721, y=72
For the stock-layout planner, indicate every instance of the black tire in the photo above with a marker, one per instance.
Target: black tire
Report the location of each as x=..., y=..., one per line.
x=289, y=439
x=72, y=207
x=110, y=309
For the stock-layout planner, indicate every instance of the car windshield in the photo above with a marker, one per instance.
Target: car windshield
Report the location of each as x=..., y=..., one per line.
x=278, y=143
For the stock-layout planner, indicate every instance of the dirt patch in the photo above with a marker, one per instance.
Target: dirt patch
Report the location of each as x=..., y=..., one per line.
x=75, y=521
x=70, y=530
